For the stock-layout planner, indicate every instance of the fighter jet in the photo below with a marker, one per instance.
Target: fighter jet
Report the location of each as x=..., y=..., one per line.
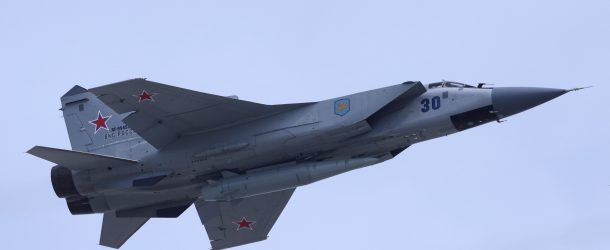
x=142, y=149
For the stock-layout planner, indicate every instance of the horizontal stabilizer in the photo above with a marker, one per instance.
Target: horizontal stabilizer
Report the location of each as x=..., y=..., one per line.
x=116, y=231
x=75, y=160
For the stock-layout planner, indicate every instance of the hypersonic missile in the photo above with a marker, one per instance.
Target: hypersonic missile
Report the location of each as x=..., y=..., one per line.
x=273, y=180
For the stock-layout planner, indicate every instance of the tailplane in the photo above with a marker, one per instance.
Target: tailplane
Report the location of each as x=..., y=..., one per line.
x=75, y=160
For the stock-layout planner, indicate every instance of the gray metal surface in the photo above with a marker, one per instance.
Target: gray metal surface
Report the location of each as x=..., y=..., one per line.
x=170, y=112
x=116, y=231
x=79, y=160
x=242, y=221
x=273, y=180
x=512, y=100
x=144, y=150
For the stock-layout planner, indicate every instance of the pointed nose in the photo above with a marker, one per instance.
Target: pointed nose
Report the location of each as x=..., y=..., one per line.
x=508, y=101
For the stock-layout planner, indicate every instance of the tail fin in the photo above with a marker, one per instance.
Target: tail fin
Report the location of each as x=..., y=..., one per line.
x=93, y=126
x=116, y=231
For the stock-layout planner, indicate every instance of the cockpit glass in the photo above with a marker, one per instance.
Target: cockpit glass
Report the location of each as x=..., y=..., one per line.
x=447, y=84
x=454, y=85
x=435, y=85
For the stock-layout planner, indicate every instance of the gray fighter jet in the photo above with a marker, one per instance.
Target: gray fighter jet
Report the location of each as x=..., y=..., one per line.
x=142, y=149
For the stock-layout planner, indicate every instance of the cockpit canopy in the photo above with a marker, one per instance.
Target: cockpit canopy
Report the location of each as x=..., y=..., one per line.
x=448, y=84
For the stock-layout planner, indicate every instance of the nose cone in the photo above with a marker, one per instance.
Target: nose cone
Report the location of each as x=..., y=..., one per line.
x=508, y=101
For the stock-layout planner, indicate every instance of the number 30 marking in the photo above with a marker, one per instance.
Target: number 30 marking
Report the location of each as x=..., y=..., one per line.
x=436, y=104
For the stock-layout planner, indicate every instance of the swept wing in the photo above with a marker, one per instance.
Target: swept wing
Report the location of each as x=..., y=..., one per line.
x=163, y=113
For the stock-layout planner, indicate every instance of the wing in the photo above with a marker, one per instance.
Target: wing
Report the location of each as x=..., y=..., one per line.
x=242, y=221
x=163, y=113
x=116, y=231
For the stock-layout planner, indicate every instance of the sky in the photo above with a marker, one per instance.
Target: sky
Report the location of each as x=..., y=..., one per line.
x=541, y=180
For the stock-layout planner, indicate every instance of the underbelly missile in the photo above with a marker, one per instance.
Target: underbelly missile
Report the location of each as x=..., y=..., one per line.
x=268, y=181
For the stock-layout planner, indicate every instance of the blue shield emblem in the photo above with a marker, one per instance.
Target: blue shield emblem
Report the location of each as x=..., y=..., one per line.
x=342, y=107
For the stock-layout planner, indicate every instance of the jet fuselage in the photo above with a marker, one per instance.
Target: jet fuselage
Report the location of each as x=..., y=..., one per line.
x=285, y=139
x=155, y=155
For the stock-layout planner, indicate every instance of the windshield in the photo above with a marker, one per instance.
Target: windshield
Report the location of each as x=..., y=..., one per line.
x=448, y=84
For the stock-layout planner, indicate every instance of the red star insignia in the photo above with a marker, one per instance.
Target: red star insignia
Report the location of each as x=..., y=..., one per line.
x=244, y=224
x=100, y=122
x=145, y=96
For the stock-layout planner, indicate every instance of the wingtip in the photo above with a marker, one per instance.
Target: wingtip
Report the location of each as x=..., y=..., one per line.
x=32, y=150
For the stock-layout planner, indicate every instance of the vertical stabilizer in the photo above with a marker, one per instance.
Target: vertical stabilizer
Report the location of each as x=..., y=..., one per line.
x=116, y=231
x=94, y=127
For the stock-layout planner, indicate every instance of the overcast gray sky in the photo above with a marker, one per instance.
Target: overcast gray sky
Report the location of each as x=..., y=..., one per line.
x=538, y=181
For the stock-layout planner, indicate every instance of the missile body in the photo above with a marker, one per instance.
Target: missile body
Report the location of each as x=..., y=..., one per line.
x=283, y=178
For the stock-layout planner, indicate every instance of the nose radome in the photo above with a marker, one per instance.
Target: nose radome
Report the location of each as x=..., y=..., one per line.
x=508, y=101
